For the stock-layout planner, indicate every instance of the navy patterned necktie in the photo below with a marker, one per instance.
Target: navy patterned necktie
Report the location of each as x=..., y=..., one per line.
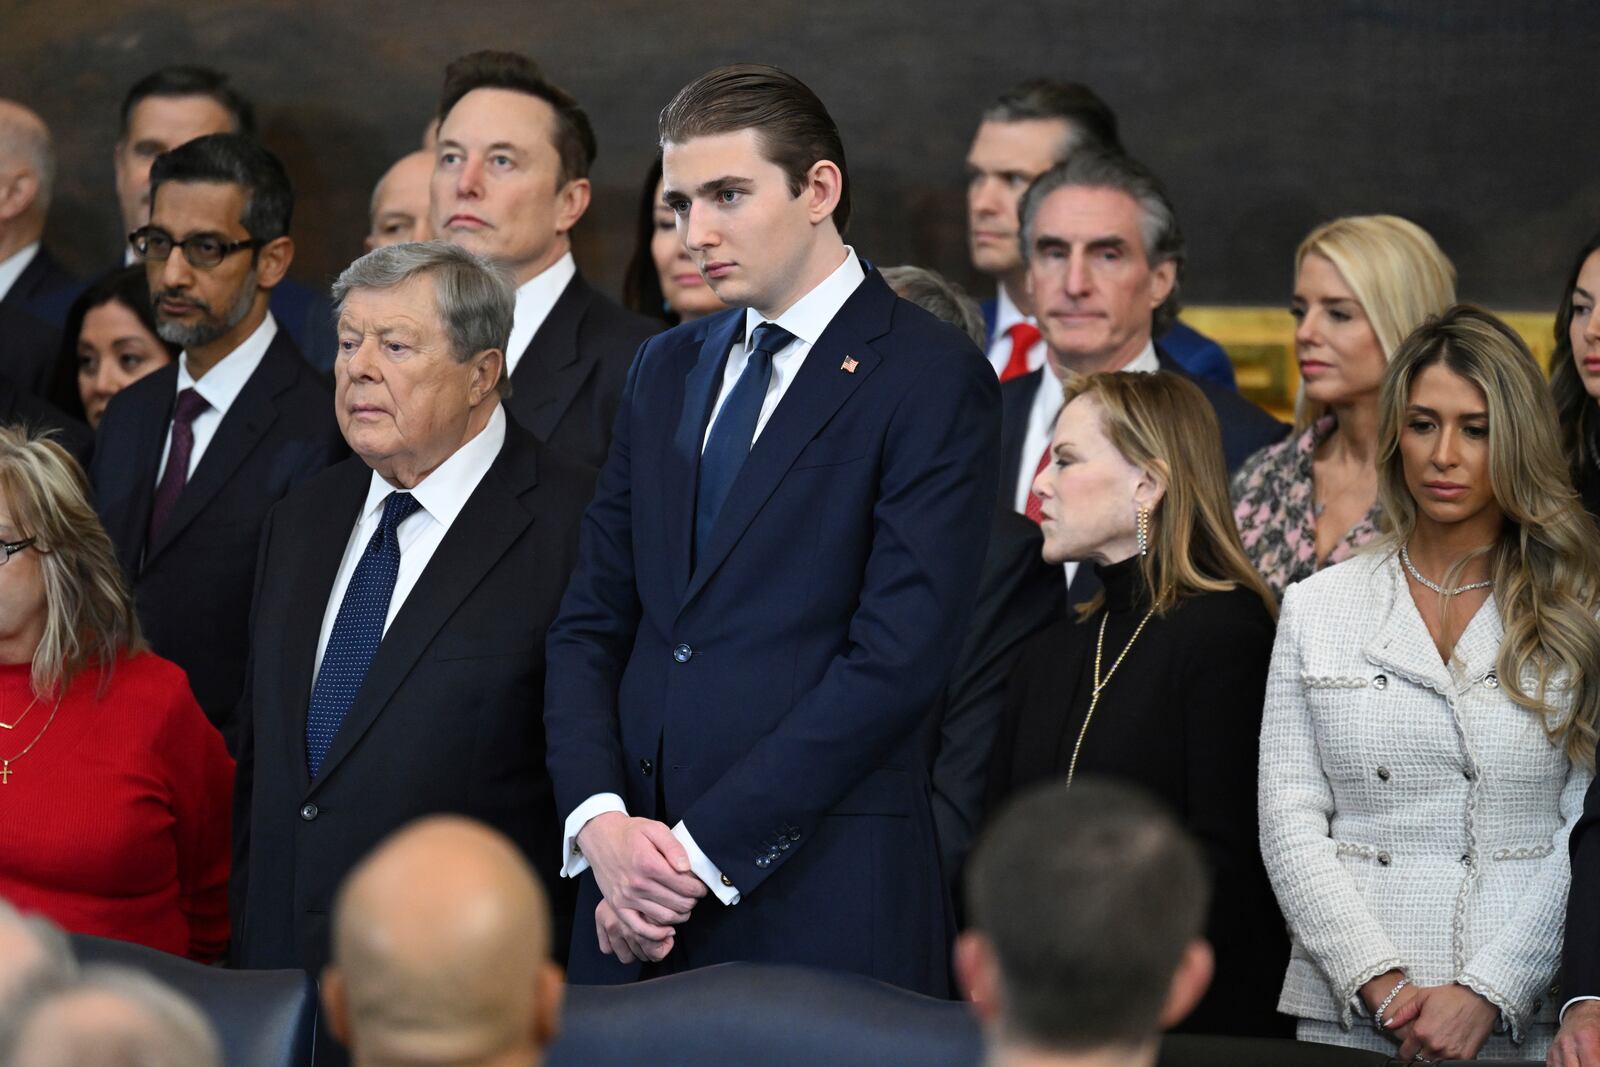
x=357, y=630
x=731, y=435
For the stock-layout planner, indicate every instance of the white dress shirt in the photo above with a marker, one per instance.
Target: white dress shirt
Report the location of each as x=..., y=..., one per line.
x=220, y=386
x=14, y=265
x=442, y=494
x=806, y=319
x=1042, y=425
x=535, y=298
x=1007, y=315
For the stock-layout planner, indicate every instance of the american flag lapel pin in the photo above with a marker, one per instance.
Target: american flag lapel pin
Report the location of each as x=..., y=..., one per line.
x=849, y=365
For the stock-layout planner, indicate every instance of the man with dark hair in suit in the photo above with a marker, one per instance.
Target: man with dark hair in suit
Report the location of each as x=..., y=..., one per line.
x=402, y=599
x=774, y=577
x=34, y=290
x=1104, y=261
x=511, y=180
x=191, y=458
x=170, y=107
x=1031, y=127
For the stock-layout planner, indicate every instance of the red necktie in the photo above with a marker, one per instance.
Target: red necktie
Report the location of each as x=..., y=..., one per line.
x=1033, y=509
x=1023, y=335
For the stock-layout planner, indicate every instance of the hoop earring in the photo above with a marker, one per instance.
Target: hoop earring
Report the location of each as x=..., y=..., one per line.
x=1143, y=531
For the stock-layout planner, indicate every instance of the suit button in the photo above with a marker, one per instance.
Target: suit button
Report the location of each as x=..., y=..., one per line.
x=763, y=862
x=1493, y=682
x=682, y=653
x=309, y=812
x=1380, y=681
x=1466, y=859
x=783, y=844
x=794, y=835
x=727, y=881
x=1383, y=859
x=646, y=767
x=1467, y=774
x=1383, y=774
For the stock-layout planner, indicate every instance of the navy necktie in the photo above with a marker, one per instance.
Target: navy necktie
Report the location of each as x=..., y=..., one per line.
x=357, y=630
x=731, y=435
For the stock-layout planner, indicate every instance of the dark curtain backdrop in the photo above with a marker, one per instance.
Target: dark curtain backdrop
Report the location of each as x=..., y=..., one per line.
x=1476, y=118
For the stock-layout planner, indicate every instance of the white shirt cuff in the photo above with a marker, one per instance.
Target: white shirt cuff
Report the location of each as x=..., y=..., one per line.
x=573, y=862
x=1562, y=1017
x=709, y=873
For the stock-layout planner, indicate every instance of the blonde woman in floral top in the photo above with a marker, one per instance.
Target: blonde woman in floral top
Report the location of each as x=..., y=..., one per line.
x=1362, y=284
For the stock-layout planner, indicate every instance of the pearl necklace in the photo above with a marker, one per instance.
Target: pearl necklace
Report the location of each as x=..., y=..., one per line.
x=1405, y=558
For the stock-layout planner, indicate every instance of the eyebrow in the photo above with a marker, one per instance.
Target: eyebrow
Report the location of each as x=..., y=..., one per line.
x=1422, y=409
x=1578, y=290
x=1048, y=243
x=710, y=188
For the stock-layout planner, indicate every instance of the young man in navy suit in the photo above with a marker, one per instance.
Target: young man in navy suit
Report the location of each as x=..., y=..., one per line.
x=774, y=578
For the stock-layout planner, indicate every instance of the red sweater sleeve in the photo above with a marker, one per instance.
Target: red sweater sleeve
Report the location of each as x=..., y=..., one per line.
x=200, y=777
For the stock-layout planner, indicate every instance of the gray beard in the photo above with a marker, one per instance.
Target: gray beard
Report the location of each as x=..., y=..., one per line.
x=210, y=327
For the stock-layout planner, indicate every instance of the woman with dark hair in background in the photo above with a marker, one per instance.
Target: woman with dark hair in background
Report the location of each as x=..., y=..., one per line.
x=662, y=281
x=1159, y=680
x=1575, y=373
x=109, y=342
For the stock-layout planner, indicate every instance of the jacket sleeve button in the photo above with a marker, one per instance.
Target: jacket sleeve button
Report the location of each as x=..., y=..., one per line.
x=763, y=862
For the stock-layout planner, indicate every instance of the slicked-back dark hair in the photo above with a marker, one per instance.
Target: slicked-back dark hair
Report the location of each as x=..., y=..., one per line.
x=236, y=159
x=1089, y=897
x=1093, y=122
x=794, y=128
x=574, y=136
x=191, y=80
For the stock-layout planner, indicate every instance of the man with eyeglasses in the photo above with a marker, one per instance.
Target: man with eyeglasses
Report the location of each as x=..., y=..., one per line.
x=190, y=459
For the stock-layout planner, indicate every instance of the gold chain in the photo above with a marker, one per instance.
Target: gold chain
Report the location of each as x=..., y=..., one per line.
x=1101, y=683
x=24, y=715
x=5, y=764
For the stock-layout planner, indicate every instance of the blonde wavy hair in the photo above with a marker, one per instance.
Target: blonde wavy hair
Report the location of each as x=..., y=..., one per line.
x=90, y=619
x=1546, y=561
x=1163, y=424
x=1396, y=270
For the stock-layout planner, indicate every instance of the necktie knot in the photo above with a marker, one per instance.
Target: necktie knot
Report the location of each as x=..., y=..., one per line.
x=770, y=338
x=397, y=508
x=1024, y=335
x=189, y=407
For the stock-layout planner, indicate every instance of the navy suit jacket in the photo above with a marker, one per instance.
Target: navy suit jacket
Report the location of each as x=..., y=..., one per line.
x=1196, y=353
x=192, y=585
x=569, y=380
x=769, y=689
x=31, y=315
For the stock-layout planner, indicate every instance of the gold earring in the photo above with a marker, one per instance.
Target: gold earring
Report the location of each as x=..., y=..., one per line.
x=1143, y=530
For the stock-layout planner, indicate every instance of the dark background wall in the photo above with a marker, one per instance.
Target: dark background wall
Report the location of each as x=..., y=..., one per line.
x=1476, y=118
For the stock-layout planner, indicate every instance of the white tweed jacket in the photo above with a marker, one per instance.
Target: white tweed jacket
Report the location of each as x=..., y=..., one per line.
x=1412, y=816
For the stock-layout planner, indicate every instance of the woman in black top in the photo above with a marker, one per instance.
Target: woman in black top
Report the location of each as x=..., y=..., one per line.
x=1575, y=373
x=1160, y=682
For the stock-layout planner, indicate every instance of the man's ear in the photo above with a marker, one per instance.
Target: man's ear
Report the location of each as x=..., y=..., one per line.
x=272, y=261
x=1189, y=982
x=336, y=1004
x=571, y=202
x=17, y=193
x=550, y=991
x=1162, y=278
x=978, y=974
x=487, y=368
x=824, y=187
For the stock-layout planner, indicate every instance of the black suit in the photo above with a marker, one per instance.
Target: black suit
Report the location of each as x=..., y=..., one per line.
x=447, y=720
x=192, y=585
x=21, y=408
x=568, y=382
x=31, y=316
x=1580, y=956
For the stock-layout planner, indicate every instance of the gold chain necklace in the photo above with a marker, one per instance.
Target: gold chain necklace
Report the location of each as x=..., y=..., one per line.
x=1101, y=683
x=5, y=764
x=24, y=715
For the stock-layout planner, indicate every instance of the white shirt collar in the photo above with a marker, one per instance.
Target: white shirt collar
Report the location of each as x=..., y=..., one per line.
x=13, y=267
x=1007, y=314
x=810, y=315
x=1146, y=362
x=535, y=299
x=221, y=384
x=444, y=492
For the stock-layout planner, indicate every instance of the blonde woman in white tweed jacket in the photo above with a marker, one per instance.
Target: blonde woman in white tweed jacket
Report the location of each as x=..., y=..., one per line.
x=1417, y=783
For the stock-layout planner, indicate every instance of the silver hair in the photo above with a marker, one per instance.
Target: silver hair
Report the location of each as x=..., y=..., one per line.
x=940, y=297
x=55, y=967
x=1158, y=221
x=29, y=143
x=474, y=298
x=174, y=1032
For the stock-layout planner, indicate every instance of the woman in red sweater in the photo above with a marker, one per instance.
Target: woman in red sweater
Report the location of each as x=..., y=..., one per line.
x=115, y=791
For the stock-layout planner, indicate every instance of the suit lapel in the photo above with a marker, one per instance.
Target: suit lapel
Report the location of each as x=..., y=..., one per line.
x=682, y=476
x=313, y=567
x=247, y=420
x=1402, y=644
x=550, y=372
x=157, y=401
x=817, y=392
x=493, y=519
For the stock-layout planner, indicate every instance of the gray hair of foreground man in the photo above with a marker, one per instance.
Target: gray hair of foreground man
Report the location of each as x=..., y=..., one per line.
x=34, y=957
x=110, y=1017
x=474, y=298
x=939, y=297
x=1088, y=902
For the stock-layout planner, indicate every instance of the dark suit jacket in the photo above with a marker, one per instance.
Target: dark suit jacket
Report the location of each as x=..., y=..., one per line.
x=1580, y=956
x=1019, y=594
x=447, y=719
x=31, y=316
x=192, y=586
x=771, y=695
x=569, y=380
x=21, y=408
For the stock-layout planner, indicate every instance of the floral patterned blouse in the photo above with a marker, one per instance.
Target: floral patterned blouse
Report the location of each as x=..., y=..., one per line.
x=1272, y=504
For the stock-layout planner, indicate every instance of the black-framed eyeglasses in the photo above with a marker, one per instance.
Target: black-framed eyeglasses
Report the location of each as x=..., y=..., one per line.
x=200, y=249
x=13, y=547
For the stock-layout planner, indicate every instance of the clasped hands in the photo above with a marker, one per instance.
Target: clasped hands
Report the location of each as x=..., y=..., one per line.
x=1442, y=1022
x=645, y=882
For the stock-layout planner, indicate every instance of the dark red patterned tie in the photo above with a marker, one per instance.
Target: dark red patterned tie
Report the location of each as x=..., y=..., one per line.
x=190, y=405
